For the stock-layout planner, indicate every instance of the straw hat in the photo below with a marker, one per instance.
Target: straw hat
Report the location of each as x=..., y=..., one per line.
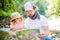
x=15, y=15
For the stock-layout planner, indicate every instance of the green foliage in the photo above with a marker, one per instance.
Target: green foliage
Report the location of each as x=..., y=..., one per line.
x=5, y=7
x=4, y=35
x=54, y=8
x=9, y=6
x=28, y=34
x=42, y=6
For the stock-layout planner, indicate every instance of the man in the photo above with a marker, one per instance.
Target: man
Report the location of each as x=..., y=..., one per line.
x=36, y=21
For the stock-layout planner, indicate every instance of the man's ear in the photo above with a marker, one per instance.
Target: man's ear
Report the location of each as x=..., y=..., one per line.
x=34, y=8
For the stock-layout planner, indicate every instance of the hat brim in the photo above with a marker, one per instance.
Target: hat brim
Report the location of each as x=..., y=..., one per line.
x=15, y=18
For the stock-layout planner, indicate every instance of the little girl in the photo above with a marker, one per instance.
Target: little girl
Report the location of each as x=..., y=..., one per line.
x=16, y=23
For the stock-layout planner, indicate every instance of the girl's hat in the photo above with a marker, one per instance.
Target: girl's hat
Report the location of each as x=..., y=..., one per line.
x=15, y=15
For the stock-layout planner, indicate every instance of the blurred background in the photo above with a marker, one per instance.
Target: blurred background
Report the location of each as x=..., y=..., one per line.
x=48, y=8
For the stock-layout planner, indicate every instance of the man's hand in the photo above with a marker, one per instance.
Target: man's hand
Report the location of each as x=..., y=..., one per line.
x=46, y=29
x=41, y=36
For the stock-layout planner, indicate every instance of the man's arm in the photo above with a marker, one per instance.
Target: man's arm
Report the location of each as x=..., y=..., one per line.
x=45, y=28
x=46, y=33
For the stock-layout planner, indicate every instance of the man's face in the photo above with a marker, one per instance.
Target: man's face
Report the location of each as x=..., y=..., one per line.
x=30, y=13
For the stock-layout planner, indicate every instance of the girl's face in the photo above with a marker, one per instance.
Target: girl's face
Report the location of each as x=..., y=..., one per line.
x=13, y=22
x=17, y=20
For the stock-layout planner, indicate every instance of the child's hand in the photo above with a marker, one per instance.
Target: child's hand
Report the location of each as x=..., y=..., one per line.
x=10, y=35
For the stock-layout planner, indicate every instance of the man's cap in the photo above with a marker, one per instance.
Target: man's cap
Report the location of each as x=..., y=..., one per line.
x=28, y=6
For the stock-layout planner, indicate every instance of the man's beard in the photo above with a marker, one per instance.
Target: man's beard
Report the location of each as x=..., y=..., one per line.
x=36, y=15
x=30, y=16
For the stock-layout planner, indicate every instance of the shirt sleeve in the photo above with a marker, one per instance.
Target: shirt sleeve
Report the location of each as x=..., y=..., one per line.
x=44, y=21
x=26, y=24
x=44, y=24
